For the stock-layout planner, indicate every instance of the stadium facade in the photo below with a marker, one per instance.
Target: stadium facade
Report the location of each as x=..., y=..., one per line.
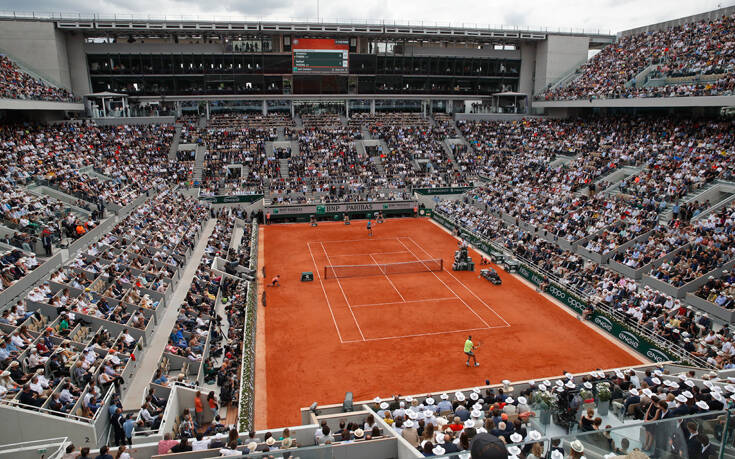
x=124, y=68
x=439, y=68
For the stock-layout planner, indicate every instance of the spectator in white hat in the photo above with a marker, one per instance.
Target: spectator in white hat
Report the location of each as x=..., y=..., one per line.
x=409, y=433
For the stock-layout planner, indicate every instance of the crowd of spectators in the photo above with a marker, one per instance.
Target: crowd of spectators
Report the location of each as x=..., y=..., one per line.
x=232, y=140
x=448, y=423
x=711, y=245
x=720, y=290
x=214, y=310
x=17, y=84
x=665, y=317
x=684, y=55
x=15, y=265
x=65, y=362
x=133, y=158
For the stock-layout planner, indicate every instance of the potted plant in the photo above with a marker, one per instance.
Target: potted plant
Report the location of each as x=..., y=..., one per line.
x=543, y=401
x=604, y=394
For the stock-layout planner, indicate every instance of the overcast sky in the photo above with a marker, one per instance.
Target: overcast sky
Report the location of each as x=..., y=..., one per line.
x=606, y=15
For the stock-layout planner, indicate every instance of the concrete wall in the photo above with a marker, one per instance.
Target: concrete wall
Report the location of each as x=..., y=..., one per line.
x=461, y=52
x=153, y=48
x=557, y=56
x=709, y=15
x=78, y=68
x=30, y=106
x=528, y=68
x=21, y=425
x=38, y=46
x=135, y=120
x=663, y=102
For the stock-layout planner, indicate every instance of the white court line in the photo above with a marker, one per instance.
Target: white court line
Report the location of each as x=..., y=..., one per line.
x=371, y=253
x=357, y=240
x=462, y=283
x=343, y=292
x=445, y=285
x=424, y=334
x=369, y=305
x=316, y=269
x=388, y=278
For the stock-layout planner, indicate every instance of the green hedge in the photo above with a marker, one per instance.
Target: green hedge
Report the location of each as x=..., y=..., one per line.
x=247, y=378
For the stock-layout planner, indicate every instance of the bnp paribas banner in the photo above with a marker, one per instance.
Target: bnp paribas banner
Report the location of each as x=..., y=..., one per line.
x=237, y=198
x=615, y=328
x=445, y=190
x=323, y=209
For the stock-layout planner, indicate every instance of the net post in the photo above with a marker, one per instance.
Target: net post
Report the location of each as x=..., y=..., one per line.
x=441, y=264
x=325, y=272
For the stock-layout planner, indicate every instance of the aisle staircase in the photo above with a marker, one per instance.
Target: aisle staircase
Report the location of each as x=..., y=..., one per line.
x=283, y=163
x=175, y=144
x=450, y=154
x=199, y=163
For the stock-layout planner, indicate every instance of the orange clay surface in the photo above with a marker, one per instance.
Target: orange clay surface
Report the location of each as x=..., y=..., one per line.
x=403, y=333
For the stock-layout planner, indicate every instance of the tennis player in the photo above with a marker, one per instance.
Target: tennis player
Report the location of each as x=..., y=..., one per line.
x=276, y=281
x=370, y=227
x=469, y=346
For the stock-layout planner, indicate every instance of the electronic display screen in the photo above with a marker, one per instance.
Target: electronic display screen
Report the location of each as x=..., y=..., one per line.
x=320, y=55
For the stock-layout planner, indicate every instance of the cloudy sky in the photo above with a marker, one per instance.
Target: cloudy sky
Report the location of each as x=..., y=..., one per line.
x=606, y=15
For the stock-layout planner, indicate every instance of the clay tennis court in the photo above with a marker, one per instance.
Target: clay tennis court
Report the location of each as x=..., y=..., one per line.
x=384, y=330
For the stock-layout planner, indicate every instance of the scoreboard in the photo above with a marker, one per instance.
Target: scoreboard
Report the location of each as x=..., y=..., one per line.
x=320, y=55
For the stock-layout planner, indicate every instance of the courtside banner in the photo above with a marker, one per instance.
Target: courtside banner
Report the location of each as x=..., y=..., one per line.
x=325, y=209
x=446, y=190
x=232, y=199
x=615, y=328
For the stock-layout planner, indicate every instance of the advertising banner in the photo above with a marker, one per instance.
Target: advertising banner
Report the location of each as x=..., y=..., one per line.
x=240, y=198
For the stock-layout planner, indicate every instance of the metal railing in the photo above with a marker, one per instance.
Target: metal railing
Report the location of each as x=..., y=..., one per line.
x=61, y=15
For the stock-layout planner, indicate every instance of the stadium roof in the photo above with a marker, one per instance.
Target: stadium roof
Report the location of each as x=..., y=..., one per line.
x=164, y=25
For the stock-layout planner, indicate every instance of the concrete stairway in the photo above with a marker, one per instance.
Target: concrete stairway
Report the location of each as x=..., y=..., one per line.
x=707, y=192
x=295, y=148
x=360, y=147
x=450, y=155
x=284, y=168
x=175, y=144
x=640, y=79
x=378, y=162
x=199, y=162
x=455, y=130
x=617, y=176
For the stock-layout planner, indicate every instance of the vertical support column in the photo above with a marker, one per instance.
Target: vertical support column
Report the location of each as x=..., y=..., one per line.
x=372, y=106
x=347, y=109
x=431, y=107
x=423, y=108
x=206, y=107
x=448, y=107
x=265, y=108
x=178, y=109
x=293, y=111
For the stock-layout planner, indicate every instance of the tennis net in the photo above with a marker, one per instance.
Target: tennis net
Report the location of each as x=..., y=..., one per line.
x=418, y=266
